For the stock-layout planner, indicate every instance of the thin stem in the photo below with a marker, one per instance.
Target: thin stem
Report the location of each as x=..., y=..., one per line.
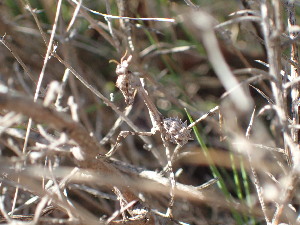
x=123, y=17
x=254, y=173
x=290, y=6
x=272, y=44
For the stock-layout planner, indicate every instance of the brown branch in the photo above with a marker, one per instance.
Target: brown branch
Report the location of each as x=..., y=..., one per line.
x=89, y=147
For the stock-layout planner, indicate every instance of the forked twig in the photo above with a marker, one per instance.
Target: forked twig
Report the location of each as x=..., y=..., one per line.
x=254, y=173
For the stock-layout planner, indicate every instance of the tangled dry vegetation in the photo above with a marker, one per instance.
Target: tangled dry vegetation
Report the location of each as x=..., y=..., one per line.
x=97, y=111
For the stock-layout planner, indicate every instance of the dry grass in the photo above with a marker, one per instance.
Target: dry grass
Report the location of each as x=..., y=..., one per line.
x=232, y=66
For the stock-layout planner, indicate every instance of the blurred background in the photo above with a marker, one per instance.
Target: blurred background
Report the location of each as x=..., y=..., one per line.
x=180, y=79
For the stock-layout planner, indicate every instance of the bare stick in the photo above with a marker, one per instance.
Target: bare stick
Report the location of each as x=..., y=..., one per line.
x=76, y=11
x=125, y=25
x=55, y=119
x=191, y=4
x=123, y=17
x=116, y=125
x=41, y=77
x=288, y=194
x=110, y=28
x=205, y=23
x=17, y=57
x=123, y=135
x=209, y=113
x=272, y=43
x=89, y=147
x=61, y=91
x=254, y=173
x=94, y=23
x=290, y=6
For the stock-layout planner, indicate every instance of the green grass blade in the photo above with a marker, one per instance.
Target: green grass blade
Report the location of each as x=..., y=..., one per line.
x=214, y=169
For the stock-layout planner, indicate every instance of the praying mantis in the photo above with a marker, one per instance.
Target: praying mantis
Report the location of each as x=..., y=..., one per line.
x=171, y=129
